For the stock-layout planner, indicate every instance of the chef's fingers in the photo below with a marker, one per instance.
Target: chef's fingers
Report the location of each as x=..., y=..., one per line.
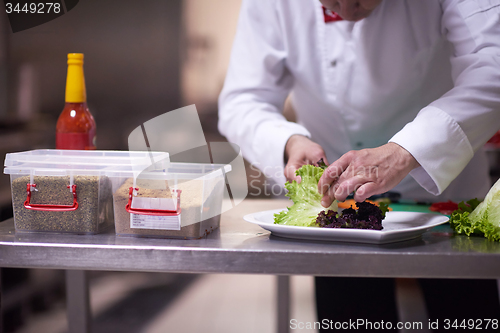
x=331, y=193
x=349, y=185
x=290, y=169
x=367, y=190
x=333, y=172
x=325, y=160
x=300, y=150
x=362, y=187
x=293, y=165
x=329, y=196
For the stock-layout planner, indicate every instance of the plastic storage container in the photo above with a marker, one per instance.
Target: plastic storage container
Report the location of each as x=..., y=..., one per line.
x=182, y=201
x=70, y=191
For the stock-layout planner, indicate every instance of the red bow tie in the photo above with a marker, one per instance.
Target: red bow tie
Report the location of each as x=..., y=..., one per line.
x=330, y=16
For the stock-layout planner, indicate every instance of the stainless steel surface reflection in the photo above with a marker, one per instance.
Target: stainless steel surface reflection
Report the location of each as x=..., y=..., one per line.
x=241, y=247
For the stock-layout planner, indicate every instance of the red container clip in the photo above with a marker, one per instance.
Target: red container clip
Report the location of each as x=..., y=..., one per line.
x=49, y=207
x=154, y=212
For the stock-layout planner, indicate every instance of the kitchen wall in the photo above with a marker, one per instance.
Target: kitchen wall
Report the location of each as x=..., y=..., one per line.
x=3, y=65
x=142, y=58
x=132, y=63
x=209, y=28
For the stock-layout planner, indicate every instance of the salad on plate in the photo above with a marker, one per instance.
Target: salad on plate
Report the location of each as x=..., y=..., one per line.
x=307, y=210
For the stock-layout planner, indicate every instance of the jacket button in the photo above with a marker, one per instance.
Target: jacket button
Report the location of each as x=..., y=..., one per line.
x=333, y=63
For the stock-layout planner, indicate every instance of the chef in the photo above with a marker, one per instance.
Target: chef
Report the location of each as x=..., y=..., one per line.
x=396, y=94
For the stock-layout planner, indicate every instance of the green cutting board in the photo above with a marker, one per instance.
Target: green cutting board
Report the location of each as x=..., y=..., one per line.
x=403, y=207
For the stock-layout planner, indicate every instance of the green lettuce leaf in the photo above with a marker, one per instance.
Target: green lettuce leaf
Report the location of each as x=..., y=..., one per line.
x=480, y=219
x=306, y=199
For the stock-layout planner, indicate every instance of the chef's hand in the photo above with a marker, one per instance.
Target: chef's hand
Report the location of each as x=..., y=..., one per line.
x=366, y=172
x=300, y=150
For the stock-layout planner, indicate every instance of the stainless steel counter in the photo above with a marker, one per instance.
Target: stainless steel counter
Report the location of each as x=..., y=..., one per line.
x=241, y=247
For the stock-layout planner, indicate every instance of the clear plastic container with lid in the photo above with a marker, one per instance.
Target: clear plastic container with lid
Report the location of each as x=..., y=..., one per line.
x=183, y=201
x=70, y=191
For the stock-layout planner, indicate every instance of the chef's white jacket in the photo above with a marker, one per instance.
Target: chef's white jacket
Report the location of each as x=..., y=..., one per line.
x=424, y=74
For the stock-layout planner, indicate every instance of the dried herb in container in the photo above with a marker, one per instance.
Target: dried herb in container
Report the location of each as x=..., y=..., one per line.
x=195, y=197
x=94, y=213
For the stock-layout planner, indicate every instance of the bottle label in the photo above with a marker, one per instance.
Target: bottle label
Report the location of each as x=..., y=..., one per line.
x=76, y=141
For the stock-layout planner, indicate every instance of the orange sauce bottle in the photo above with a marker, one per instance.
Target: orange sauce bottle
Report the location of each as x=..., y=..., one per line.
x=76, y=128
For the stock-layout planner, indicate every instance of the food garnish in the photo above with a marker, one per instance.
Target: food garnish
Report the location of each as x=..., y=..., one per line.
x=307, y=210
x=475, y=218
x=306, y=199
x=368, y=216
x=352, y=203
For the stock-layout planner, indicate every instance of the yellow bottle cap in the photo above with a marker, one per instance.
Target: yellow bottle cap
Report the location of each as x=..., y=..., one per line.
x=75, y=81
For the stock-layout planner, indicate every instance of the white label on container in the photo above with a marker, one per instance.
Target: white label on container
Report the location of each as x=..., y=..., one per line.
x=138, y=221
x=154, y=203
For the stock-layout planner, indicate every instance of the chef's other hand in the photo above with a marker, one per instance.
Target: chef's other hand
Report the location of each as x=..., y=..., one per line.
x=300, y=150
x=365, y=172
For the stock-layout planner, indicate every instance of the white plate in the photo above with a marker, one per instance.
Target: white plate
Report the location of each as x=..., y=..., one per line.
x=398, y=226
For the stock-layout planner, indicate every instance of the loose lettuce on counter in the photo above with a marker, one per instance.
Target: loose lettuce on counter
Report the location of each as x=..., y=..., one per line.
x=306, y=199
x=480, y=219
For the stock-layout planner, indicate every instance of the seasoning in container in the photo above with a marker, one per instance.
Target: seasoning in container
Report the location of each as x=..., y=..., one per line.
x=194, y=201
x=91, y=174
x=93, y=215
